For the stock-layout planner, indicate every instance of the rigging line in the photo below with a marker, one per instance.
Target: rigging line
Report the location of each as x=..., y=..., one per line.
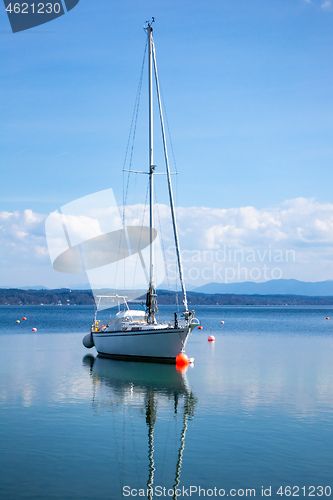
x=137, y=99
x=133, y=127
x=175, y=167
x=139, y=245
x=173, y=214
x=176, y=181
x=131, y=135
x=162, y=240
x=177, y=302
x=167, y=442
x=176, y=170
x=168, y=129
x=180, y=453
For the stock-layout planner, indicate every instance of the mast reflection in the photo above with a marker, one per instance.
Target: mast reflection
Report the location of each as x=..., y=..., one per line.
x=147, y=386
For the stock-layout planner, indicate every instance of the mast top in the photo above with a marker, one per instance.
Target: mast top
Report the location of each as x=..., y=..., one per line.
x=148, y=26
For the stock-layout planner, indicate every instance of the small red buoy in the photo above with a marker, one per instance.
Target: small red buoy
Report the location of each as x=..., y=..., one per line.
x=211, y=338
x=34, y=330
x=181, y=359
x=24, y=318
x=327, y=317
x=199, y=327
x=222, y=322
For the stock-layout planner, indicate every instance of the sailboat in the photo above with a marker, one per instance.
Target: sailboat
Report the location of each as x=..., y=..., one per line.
x=137, y=334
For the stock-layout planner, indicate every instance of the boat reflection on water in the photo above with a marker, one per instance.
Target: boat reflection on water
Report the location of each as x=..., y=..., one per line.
x=145, y=387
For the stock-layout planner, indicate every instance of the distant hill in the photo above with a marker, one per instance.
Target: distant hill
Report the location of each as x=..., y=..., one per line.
x=62, y=296
x=37, y=287
x=272, y=287
x=85, y=297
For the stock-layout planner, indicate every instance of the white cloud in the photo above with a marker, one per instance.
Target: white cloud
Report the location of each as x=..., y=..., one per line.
x=294, y=222
x=23, y=252
x=293, y=240
x=245, y=236
x=326, y=5
x=323, y=4
x=26, y=228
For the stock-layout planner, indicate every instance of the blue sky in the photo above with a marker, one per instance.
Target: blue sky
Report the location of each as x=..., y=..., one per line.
x=248, y=91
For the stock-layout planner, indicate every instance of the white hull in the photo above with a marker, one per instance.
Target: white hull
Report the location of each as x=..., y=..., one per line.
x=145, y=344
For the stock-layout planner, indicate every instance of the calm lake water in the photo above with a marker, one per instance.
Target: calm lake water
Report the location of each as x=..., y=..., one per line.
x=252, y=417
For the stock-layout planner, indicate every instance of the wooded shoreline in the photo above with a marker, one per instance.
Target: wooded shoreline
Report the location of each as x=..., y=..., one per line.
x=14, y=296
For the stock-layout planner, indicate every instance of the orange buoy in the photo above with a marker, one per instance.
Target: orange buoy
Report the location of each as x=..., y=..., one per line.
x=24, y=318
x=327, y=317
x=34, y=330
x=181, y=359
x=211, y=338
x=199, y=327
x=222, y=322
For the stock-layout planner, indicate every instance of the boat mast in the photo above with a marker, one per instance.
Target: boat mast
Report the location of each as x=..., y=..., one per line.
x=172, y=205
x=151, y=295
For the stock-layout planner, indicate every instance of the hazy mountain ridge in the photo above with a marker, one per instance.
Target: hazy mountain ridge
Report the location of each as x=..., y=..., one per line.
x=272, y=287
